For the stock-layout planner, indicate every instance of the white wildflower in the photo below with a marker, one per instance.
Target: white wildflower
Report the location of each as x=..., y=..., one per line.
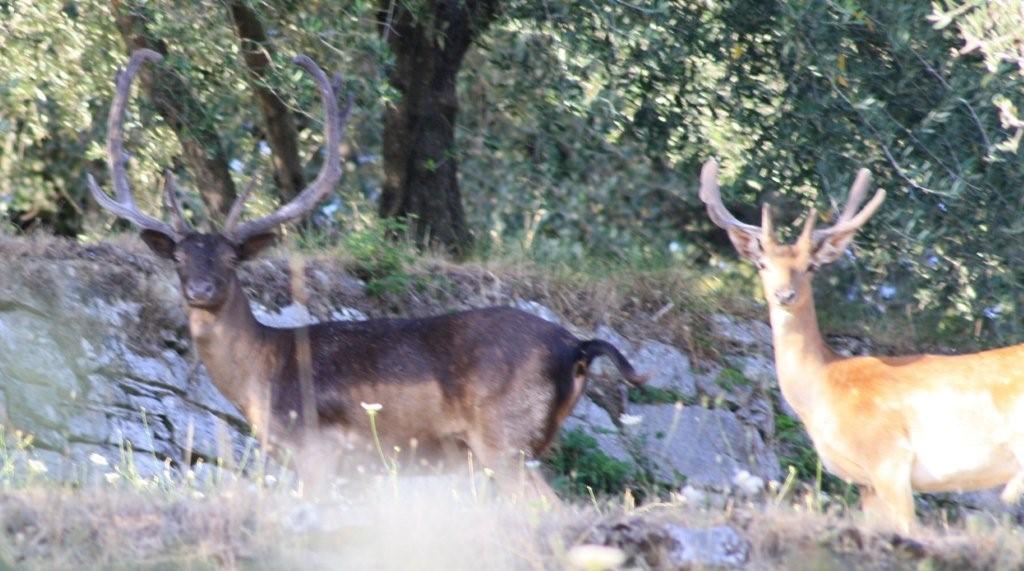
x=748, y=484
x=694, y=496
x=595, y=557
x=37, y=467
x=98, y=459
x=372, y=407
x=533, y=464
x=269, y=480
x=630, y=419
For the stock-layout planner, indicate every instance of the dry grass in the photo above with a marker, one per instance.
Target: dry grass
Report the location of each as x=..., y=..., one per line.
x=438, y=524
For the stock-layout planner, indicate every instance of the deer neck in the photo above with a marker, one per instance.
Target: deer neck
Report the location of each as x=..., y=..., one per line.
x=239, y=354
x=801, y=354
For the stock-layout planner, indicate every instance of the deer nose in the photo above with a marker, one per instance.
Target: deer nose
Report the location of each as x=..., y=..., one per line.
x=785, y=296
x=199, y=290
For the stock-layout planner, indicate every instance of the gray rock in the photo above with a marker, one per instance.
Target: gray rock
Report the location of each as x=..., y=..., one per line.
x=348, y=314
x=156, y=371
x=756, y=410
x=705, y=447
x=747, y=333
x=541, y=311
x=292, y=315
x=608, y=334
x=849, y=346
x=759, y=369
x=594, y=421
x=296, y=314
x=83, y=349
x=719, y=546
x=30, y=350
x=665, y=367
x=88, y=425
x=707, y=381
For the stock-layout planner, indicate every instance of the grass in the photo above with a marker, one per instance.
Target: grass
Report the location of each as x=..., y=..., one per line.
x=731, y=379
x=657, y=395
x=242, y=520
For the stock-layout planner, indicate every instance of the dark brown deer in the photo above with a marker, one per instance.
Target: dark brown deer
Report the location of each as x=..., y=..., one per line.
x=497, y=381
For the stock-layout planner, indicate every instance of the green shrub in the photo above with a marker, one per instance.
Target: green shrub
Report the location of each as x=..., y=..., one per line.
x=381, y=261
x=731, y=379
x=580, y=467
x=655, y=395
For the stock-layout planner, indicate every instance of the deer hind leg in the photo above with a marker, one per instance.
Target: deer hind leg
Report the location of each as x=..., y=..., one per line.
x=511, y=471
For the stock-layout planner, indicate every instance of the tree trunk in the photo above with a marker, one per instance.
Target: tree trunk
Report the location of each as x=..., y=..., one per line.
x=182, y=111
x=420, y=167
x=278, y=120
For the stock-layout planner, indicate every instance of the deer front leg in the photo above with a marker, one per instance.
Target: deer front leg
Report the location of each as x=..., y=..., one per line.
x=1015, y=487
x=869, y=504
x=894, y=495
x=1011, y=493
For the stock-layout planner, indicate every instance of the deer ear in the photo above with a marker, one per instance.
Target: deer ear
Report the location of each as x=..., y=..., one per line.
x=161, y=244
x=747, y=244
x=831, y=248
x=253, y=245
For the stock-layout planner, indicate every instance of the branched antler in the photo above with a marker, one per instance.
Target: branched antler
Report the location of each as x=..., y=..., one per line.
x=124, y=204
x=850, y=219
x=335, y=120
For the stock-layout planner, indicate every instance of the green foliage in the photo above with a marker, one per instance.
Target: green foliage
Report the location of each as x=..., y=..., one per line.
x=379, y=260
x=582, y=127
x=872, y=84
x=798, y=451
x=656, y=395
x=995, y=31
x=581, y=467
x=731, y=379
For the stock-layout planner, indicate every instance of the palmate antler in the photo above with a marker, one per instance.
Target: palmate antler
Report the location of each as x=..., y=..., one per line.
x=124, y=204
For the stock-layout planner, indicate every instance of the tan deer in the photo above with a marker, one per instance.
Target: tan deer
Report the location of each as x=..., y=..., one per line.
x=930, y=423
x=496, y=381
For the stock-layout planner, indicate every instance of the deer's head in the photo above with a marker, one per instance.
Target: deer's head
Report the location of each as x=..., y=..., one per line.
x=786, y=269
x=206, y=262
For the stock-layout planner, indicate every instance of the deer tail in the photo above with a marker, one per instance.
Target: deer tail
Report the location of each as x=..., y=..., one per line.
x=590, y=350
